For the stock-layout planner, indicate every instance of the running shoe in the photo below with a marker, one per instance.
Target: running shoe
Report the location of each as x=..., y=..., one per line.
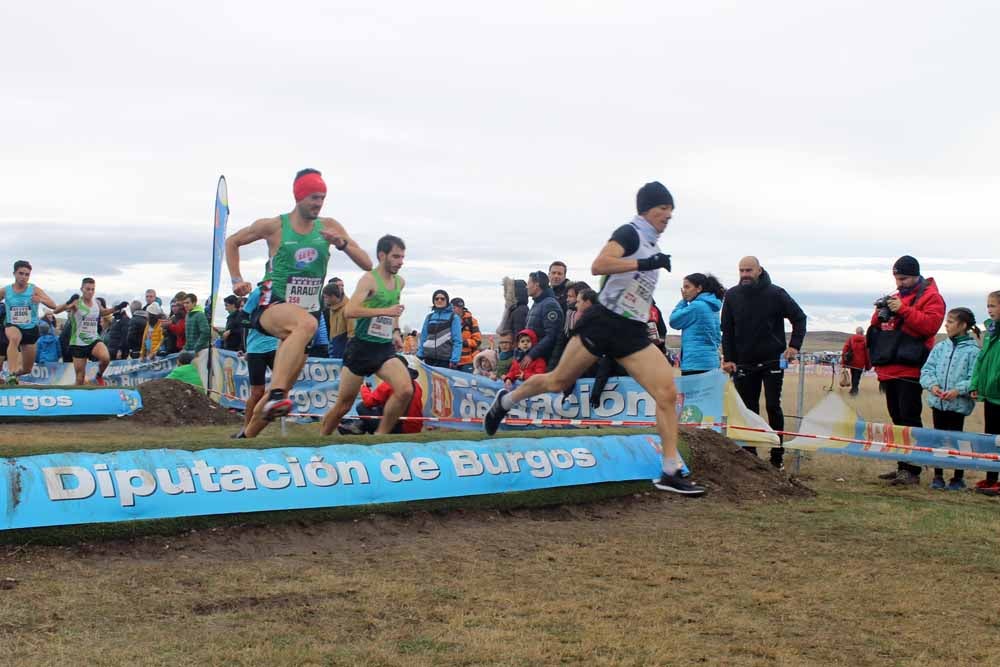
x=496, y=413
x=99, y=381
x=12, y=380
x=889, y=475
x=677, y=484
x=989, y=489
x=351, y=428
x=277, y=407
x=238, y=436
x=905, y=478
x=938, y=484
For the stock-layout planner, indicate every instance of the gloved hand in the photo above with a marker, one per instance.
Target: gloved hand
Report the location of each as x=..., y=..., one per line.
x=73, y=299
x=657, y=261
x=121, y=306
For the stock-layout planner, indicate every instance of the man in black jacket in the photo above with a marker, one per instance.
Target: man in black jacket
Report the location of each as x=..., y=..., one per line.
x=118, y=336
x=234, y=337
x=545, y=318
x=753, y=342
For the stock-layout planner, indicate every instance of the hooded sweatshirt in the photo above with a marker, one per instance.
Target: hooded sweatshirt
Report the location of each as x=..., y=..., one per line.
x=701, y=335
x=515, y=315
x=986, y=375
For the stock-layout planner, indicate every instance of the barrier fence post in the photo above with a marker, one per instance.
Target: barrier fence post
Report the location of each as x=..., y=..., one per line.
x=800, y=404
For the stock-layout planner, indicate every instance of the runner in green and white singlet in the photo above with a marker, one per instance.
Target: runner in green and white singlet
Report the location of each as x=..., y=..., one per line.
x=372, y=350
x=85, y=315
x=298, y=253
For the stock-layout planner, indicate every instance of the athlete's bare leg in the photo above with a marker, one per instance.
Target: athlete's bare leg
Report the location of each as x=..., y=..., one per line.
x=13, y=350
x=256, y=393
x=103, y=358
x=347, y=392
x=397, y=375
x=576, y=359
x=80, y=369
x=27, y=359
x=652, y=371
x=296, y=328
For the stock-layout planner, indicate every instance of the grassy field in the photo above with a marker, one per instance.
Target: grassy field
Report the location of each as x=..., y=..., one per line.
x=859, y=575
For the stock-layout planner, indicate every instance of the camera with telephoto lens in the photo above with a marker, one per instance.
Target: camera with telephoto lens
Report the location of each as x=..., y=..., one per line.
x=882, y=303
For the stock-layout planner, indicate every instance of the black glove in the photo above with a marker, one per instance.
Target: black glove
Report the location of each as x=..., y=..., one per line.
x=72, y=299
x=657, y=261
x=121, y=306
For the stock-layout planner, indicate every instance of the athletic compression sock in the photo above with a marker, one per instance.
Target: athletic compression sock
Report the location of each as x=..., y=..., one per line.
x=276, y=395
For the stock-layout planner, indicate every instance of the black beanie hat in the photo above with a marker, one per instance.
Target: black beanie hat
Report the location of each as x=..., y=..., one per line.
x=906, y=266
x=652, y=194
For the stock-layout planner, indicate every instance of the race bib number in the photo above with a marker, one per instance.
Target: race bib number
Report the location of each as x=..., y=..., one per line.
x=88, y=329
x=381, y=327
x=304, y=292
x=20, y=314
x=636, y=300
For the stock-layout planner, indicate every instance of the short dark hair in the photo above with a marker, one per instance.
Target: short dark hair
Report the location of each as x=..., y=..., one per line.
x=333, y=289
x=87, y=281
x=232, y=300
x=557, y=263
x=306, y=172
x=185, y=357
x=22, y=264
x=578, y=286
x=540, y=278
x=191, y=297
x=387, y=243
x=588, y=295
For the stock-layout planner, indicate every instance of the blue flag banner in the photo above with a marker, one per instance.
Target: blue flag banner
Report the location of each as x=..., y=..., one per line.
x=71, y=488
x=22, y=402
x=218, y=243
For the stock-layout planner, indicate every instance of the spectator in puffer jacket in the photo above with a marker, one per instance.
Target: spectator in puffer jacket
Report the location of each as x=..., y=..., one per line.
x=118, y=335
x=47, y=348
x=471, y=336
x=515, y=314
x=136, y=329
x=523, y=366
x=152, y=337
x=545, y=318
x=947, y=375
x=440, y=334
x=696, y=315
x=173, y=329
x=197, y=333
x=985, y=385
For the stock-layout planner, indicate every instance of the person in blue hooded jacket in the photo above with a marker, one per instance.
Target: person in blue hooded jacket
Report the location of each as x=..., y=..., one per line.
x=697, y=317
x=441, y=335
x=947, y=375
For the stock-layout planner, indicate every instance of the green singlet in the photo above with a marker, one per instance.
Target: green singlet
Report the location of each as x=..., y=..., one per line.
x=298, y=269
x=379, y=329
x=83, y=323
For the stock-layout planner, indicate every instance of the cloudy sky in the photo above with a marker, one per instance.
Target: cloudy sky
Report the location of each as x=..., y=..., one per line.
x=826, y=138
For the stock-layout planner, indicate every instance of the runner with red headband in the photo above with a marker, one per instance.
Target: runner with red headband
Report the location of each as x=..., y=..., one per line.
x=298, y=246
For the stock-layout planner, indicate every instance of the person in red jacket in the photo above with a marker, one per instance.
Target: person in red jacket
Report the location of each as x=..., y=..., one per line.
x=373, y=403
x=526, y=339
x=900, y=338
x=854, y=357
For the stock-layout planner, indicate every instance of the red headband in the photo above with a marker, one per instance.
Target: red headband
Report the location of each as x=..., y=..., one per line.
x=308, y=184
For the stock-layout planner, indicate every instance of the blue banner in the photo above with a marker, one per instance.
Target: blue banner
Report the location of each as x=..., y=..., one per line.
x=120, y=373
x=61, y=489
x=218, y=243
x=452, y=394
x=21, y=402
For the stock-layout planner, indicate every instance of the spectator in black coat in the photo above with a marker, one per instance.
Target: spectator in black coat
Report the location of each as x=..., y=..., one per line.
x=515, y=314
x=118, y=336
x=137, y=329
x=753, y=342
x=234, y=337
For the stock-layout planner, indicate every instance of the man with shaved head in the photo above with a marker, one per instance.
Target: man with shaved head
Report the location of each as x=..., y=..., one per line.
x=753, y=342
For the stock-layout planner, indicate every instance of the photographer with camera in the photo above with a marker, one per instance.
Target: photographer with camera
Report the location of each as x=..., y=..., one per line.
x=900, y=339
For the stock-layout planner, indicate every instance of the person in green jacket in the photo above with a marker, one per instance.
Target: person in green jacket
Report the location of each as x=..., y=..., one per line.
x=197, y=333
x=985, y=384
x=185, y=371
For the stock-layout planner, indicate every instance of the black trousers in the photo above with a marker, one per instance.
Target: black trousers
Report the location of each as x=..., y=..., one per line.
x=948, y=421
x=902, y=398
x=370, y=425
x=748, y=385
x=856, y=379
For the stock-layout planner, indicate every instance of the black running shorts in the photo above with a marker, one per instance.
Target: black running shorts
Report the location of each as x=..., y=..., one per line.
x=257, y=365
x=82, y=351
x=28, y=336
x=606, y=334
x=363, y=358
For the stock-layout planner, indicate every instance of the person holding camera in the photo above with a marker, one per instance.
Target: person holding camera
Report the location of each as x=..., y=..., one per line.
x=900, y=338
x=753, y=342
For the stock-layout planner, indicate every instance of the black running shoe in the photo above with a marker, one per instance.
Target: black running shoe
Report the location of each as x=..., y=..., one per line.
x=493, y=418
x=676, y=484
x=238, y=436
